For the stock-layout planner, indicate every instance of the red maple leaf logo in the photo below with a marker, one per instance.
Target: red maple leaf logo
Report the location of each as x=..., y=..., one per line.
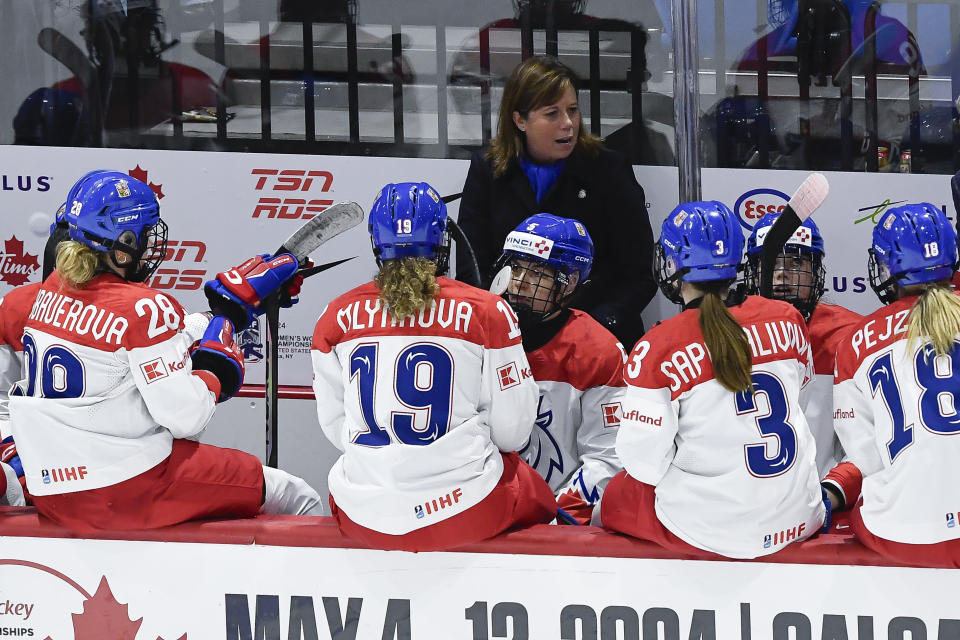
x=104, y=617
x=15, y=265
x=141, y=175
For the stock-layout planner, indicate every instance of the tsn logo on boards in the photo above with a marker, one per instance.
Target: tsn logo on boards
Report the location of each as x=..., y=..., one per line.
x=291, y=203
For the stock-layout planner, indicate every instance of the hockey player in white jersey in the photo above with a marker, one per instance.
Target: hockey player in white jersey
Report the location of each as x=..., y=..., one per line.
x=798, y=278
x=577, y=363
x=897, y=392
x=14, y=309
x=422, y=382
x=112, y=391
x=717, y=453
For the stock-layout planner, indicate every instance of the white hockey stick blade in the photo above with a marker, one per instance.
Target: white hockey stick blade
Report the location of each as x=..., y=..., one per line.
x=321, y=228
x=810, y=195
x=501, y=281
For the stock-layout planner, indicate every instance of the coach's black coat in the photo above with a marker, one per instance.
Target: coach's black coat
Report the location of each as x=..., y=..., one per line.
x=601, y=192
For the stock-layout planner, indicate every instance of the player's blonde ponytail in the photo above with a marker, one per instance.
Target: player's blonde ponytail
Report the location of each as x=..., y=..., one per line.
x=725, y=339
x=407, y=285
x=935, y=316
x=76, y=263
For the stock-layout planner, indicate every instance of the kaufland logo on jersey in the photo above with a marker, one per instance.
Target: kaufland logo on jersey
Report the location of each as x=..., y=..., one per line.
x=510, y=375
x=528, y=243
x=611, y=414
x=756, y=203
x=636, y=416
x=154, y=370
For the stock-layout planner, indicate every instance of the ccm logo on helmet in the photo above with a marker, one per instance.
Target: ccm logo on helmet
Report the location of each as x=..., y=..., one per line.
x=756, y=203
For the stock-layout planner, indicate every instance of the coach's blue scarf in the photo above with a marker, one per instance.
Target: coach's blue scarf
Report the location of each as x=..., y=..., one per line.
x=541, y=176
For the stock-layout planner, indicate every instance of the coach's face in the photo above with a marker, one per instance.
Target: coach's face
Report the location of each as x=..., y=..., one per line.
x=551, y=131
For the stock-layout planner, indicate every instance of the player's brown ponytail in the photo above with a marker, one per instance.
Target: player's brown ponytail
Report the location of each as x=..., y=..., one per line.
x=76, y=263
x=407, y=285
x=725, y=339
x=935, y=316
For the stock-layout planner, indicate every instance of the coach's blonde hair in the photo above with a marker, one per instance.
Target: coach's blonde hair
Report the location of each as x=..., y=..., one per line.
x=935, y=316
x=407, y=285
x=725, y=339
x=76, y=263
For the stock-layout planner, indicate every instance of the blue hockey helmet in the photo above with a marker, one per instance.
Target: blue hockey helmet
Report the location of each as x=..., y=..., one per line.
x=797, y=281
x=409, y=219
x=111, y=211
x=543, y=239
x=562, y=243
x=51, y=117
x=699, y=242
x=912, y=244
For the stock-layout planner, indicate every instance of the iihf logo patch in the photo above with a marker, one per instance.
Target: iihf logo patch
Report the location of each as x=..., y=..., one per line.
x=951, y=522
x=154, y=370
x=766, y=541
x=611, y=414
x=418, y=510
x=508, y=377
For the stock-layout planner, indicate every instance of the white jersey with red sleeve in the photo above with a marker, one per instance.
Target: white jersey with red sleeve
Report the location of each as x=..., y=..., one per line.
x=897, y=418
x=421, y=408
x=580, y=376
x=735, y=473
x=14, y=309
x=107, y=385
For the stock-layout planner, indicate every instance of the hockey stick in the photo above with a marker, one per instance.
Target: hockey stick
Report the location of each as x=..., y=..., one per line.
x=461, y=239
x=69, y=55
x=955, y=188
x=319, y=229
x=804, y=202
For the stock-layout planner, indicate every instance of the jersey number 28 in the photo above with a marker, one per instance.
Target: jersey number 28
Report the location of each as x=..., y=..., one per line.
x=59, y=370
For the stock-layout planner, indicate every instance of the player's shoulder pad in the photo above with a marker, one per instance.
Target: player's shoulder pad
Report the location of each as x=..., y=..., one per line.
x=758, y=308
x=584, y=354
x=658, y=345
x=827, y=326
x=154, y=316
x=107, y=314
x=14, y=309
x=330, y=328
x=498, y=325
x=889, y=324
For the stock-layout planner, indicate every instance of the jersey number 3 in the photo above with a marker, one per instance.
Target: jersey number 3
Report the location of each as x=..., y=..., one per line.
x=772, y=425
x=422, y=382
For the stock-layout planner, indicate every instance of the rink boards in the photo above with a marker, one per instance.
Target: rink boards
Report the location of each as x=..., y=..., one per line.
x=287, y=578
